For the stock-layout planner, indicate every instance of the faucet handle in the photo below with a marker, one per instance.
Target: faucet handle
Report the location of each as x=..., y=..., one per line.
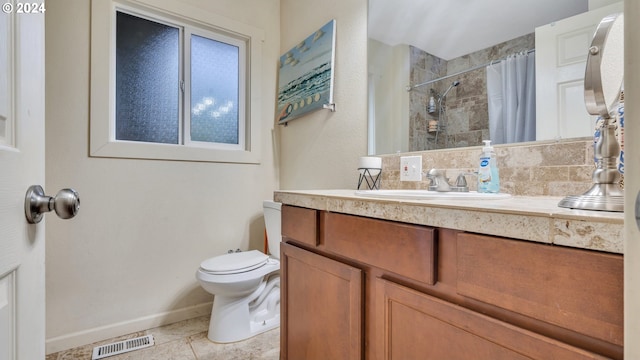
x=461, y=181
x=461, y=184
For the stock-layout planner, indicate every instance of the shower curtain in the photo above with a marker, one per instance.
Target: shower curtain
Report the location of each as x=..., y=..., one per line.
x=511, y=92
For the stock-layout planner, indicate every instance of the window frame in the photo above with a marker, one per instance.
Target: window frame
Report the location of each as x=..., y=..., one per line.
x=102, y=142
x=242, y=97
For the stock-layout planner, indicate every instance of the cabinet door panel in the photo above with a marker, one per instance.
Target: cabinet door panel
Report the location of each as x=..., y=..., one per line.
x=321, y=304
x=572, y=288
x=413, y=325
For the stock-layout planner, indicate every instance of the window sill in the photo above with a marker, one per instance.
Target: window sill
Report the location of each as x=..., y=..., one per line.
x=136, y=150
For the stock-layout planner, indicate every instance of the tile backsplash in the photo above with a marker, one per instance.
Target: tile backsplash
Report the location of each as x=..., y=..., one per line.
x=549, y=168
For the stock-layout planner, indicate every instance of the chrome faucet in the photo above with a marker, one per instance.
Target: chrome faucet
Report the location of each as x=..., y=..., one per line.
x=440, y=182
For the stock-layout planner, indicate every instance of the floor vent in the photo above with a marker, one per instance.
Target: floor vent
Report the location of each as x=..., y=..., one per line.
x=101, y=352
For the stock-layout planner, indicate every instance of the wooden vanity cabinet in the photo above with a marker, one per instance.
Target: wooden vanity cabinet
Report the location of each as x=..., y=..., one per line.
x=363, y=288
x=327, y=263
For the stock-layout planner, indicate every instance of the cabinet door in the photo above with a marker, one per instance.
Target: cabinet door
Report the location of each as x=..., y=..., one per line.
x=321, y=307
x=413, y=325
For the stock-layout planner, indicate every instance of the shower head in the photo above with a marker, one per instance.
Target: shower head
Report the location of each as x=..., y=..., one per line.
x=453, y=84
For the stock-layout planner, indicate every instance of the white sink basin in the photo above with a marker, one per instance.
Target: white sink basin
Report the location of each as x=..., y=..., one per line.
x=429, y=195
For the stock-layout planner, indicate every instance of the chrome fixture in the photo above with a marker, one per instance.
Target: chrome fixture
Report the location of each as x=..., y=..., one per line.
x=453, y=84
x=473, y=68
x=461, y=182
x=602, y=84
x=440, y=182
x=66, y=204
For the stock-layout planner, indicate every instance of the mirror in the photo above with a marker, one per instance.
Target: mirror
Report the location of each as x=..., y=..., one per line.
x=603, y=82
x=428, y=63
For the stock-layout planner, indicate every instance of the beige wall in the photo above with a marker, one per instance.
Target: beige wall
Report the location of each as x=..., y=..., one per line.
x=128, y=260
x=321, y=150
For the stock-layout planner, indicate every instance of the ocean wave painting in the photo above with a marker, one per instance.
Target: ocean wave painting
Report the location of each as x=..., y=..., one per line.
x=305, y=79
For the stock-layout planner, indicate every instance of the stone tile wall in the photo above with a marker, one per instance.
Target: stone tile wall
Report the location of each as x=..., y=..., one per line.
x=553, y=168
x=466, y=119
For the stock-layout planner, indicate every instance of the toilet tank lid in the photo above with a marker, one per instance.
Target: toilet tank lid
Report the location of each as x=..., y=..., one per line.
x=271, y=204
x=235, y=262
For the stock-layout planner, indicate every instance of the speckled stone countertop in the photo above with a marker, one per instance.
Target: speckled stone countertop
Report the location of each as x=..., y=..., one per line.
x=535, y=218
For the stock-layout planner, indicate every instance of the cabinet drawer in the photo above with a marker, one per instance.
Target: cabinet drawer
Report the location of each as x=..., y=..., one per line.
x=575, y=289
x=300, y=224
x=404, y=249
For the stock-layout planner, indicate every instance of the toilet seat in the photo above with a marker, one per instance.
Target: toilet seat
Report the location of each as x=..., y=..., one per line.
x=234, y=263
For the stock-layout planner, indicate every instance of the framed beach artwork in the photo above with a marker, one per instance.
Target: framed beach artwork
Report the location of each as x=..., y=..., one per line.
x=305, y=79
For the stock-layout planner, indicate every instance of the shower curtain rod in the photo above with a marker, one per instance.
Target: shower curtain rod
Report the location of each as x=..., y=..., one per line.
x=410, y=87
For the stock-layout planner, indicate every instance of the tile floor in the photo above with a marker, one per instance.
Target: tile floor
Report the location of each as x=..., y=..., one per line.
x=186, y=340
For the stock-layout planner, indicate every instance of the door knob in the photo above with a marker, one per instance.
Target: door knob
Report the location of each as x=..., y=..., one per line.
x=66, y=203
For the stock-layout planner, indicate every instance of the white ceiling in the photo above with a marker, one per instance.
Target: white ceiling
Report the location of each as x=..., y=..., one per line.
x=452, y=28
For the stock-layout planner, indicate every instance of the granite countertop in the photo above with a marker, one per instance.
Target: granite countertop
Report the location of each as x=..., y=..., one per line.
x=536, y=218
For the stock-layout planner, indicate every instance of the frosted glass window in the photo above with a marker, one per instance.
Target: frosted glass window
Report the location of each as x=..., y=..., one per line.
x=214, y=91
x=174, y=83
x=147, y=80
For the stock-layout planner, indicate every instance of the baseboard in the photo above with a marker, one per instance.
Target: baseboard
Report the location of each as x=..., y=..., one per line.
x=89, y=336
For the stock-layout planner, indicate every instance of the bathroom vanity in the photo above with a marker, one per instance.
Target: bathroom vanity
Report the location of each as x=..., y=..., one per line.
x=517, y=278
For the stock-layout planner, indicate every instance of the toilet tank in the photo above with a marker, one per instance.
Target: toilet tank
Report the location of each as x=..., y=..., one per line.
x=272, y=222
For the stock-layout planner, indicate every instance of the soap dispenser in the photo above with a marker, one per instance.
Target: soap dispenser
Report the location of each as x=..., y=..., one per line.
x=488, y=177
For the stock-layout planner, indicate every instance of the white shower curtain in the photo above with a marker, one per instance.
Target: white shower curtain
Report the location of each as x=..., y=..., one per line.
x=511, y=92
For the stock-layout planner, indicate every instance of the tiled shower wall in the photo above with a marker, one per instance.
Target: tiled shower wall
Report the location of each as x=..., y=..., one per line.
x=530, y=169
x=466, y=120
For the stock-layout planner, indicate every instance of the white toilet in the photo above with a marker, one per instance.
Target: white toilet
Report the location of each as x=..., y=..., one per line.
x=246, y=286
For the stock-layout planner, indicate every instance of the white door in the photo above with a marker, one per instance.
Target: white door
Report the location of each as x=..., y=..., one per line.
x=632, y=182
x=22, y=307
x=561, y=58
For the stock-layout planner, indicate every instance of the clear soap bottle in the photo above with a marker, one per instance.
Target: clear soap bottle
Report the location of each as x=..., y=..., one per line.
x=488, y=177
